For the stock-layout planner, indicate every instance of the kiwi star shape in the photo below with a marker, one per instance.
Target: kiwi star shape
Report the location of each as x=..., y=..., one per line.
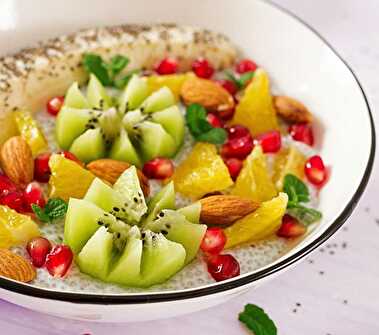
x=118, y=238
x=135, y=126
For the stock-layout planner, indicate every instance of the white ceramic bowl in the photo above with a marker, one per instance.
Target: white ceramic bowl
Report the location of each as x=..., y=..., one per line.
x=301, y=64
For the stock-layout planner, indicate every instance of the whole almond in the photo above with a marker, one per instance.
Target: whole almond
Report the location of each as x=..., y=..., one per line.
x=225, y=209
x=292, y=110
x=110, y=170
x=17, y=160
x=15, y=267
x=206, y=93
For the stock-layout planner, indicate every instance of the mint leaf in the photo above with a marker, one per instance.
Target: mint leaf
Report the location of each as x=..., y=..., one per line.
x=257, y=320
x=215, y=136
x=117, y=64
x=229, y=75
x=242, y=80
x=94, y=64
x=304, y=214
x=296, y=190
x=55, y=208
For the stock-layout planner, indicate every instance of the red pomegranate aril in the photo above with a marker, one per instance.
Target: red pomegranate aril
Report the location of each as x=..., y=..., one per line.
x=167, y=66
x=69, y=155
x=158, y=168
x=14, y=200
x=230, y=86
x=59, y=260
x=291, y=227
x=54, y=105
x=237, y=147
x=246, y=65
x=202, y=68
x=214, y=120
x=6, y=185
x=315, y=171
x=223, y=267
x=302, y=132
x=226, y=114
x=38, y=248
x=33, y=194
x=234, y=166
x=41, y=167
x=237, y=131
x=214, y=241
x=270, y=142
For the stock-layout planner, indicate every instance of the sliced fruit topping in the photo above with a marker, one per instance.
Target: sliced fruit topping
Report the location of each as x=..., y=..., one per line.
x=202, y=172
x=64, y=173
x=33, y=194
x=59, y=260
x=302, y=132
x=38, y=248
x=74, y=98
x=202, y=68
x=69, y=155
x=167, y=66
x=161, y=99
x=223, y=267
x=54, y=105
x=262, y=223
x=41, y=167
x=158, y=168
x=134, y=94
x=191, y=212
x=316, y=171
x=270, y=142
x=15, y=228
x=173, y=81
x=291, y=228
x=254, y=181
x=214, y=241
x=30, y=131
x=89, y=146
x=246, y=65
x=255, y=109
x=97, y=95
x=229, y=85
x=234, y=166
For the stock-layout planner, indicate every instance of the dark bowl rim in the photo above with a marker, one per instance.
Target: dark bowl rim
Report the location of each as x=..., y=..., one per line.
x=108, y=299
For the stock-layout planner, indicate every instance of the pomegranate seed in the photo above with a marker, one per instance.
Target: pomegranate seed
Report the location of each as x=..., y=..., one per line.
x=202, y=68
x=33, y=194
x=237, y=147
x=158, y=168
x=291, y=227
x=229, y=85
x=222, y=267
x=6, y=185
x=54, y=105
x=245, y=65
x=315, y=171
x=302, y=132
x=214, y=120
x=226, y=114
x=41, y=167
x=13, y=200
x=71, y=156
x=58, y=260
x=214, y=241
x=38, y=248
x=167, y=66
x=237, y=131
x=270, y=141
x=234, y=166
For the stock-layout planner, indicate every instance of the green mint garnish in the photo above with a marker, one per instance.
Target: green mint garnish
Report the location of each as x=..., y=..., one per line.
x=305, y=215
x=200, y=128
x=256, y=320
x=55, y=208
x=242, y=80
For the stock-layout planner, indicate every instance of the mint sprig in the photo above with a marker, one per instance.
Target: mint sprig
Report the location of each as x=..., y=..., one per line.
x=55, y=208
x=240, y=81
x=298, y=193
x=200, y=128
x=256, y=319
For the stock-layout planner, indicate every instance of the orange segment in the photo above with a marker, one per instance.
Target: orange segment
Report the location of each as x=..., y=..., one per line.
x=255, y=110
x=202, y=172
x=68, y=179
x=8, y=126
x=288, y=161
x=254, y=181
x=29, y=130
x=15, y=228
x=262, y=223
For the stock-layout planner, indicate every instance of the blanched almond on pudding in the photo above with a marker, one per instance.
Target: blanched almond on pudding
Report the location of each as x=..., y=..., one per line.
x=110, y=169
x=15, y=267
x=292, y=110
x=225, y=209
x=207, y=93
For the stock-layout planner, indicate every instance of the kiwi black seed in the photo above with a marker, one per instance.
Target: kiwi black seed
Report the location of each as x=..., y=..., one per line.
x=135, y=199
x=168, y=226
x=161, y=214
x=164, y=232
x=116, y=209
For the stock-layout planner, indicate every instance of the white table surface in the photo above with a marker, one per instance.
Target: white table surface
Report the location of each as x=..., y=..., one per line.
x=335, y=290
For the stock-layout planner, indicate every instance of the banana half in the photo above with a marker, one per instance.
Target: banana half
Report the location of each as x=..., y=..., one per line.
x=32, y=76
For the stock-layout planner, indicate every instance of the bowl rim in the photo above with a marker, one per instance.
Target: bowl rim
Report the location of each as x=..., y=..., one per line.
x=140, y=298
